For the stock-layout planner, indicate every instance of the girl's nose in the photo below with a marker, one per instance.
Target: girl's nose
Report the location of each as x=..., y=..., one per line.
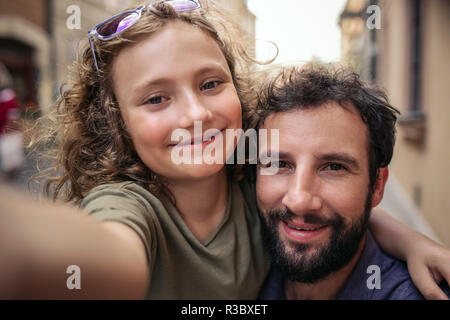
x=192, y=109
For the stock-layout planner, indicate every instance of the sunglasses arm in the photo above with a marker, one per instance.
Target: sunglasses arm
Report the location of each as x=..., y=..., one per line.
x=91, y=43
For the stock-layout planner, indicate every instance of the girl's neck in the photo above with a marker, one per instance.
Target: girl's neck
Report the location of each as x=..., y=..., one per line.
x=201, y=203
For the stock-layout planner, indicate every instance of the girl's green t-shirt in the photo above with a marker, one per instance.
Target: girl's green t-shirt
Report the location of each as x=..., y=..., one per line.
x=230, y=264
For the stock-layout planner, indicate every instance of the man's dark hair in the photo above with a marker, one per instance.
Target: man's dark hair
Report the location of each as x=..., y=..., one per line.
x=311, y=86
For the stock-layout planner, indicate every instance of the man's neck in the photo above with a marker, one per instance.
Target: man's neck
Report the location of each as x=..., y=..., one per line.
x=327, y=288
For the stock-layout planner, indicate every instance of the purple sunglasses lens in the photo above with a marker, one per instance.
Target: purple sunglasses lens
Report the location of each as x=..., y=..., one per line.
x=127, y=21
x=118, y=24
x=183, y=5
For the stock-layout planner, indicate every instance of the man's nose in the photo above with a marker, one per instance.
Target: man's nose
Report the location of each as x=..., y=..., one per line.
x=302, y=195
x=192, y=108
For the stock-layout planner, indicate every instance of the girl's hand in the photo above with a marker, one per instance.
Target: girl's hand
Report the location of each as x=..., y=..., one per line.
x=428, y=265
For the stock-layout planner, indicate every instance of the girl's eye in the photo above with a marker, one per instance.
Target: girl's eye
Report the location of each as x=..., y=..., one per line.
x=156, y=100
x=210, y=85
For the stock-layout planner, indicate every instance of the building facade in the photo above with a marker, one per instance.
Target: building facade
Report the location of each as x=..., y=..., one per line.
x=25, y=49
x=408, y=56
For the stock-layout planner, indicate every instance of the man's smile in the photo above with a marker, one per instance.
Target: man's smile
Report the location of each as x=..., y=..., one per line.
x=300, y=232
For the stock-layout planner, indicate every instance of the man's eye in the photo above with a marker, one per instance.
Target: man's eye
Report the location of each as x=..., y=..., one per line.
x=281, y=164
x=335, y=167
x=210, y=85
x=275, y=164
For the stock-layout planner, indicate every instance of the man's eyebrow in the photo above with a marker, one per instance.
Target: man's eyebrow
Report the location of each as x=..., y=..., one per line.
x=342, y=157
x=274, y=153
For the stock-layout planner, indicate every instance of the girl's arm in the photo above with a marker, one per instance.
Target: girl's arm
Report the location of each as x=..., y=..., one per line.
x=428, y=262
x=38, y=242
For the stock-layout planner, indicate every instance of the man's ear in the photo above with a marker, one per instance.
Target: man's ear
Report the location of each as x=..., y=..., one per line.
x=378, y=189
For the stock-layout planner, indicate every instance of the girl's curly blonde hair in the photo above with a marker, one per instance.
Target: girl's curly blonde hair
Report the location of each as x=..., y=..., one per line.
x=92, y=146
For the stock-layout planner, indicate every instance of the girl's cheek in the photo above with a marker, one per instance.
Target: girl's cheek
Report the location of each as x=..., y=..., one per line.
x=235, y=112
x=148, y=129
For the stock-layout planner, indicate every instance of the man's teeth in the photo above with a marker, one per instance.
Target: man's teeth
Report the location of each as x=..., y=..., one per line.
x=303, y=229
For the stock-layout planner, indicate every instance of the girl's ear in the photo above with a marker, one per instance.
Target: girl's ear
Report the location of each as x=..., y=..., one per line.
x=378, y=190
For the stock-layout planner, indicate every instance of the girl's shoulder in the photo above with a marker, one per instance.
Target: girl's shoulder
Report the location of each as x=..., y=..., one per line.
x=121, y=194
x=130, y=204
x=124, y=185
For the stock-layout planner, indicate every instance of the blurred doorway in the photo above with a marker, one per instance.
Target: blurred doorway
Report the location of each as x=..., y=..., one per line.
x=18, y=58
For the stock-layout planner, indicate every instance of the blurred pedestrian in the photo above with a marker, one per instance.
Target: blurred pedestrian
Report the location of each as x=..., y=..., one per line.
x=11, y=146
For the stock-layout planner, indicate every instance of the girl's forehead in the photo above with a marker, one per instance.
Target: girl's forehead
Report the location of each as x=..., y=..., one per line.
x=176, y=51
x=174, y=39
x=171, y=32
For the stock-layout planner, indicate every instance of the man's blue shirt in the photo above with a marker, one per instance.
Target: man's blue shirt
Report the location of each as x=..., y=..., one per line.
x=394, y=280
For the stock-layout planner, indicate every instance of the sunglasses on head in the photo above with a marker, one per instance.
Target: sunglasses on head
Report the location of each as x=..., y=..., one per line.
x=117, y=24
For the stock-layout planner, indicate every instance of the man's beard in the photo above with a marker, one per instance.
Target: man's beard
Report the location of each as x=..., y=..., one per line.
x=301, y=266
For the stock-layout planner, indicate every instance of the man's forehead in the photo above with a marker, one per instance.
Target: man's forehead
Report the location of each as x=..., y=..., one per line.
x=333, y=127
x=323, y=108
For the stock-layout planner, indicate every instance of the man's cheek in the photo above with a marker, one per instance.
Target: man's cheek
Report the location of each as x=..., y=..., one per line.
x=346, y=203
x=270, y=188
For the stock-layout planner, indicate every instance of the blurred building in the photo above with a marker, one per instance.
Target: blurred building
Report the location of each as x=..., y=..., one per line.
x=39, y=40
x=25, y=49
x=245, y=18
x=408, y=56
x=354, y=35
x=37, y=44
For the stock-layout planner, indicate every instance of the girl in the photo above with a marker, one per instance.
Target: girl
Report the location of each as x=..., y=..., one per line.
x=168, y=231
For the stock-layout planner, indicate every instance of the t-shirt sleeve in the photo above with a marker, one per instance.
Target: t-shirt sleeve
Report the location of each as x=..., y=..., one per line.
x=119, y=203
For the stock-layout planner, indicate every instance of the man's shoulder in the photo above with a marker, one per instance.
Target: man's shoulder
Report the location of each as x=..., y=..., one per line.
x=395, y=282
x=399, y=284
x=379, y=276
x=273, y=287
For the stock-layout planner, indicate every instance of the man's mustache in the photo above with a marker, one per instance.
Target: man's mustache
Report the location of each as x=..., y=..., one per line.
x=311, y=218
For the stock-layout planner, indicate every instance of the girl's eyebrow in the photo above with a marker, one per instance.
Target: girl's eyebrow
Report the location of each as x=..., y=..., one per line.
x=140, y=88
x=164, y=80
x=214, y=67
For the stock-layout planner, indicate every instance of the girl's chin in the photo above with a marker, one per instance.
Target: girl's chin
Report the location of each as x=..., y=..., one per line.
x=204, y=170
x=196, y=171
